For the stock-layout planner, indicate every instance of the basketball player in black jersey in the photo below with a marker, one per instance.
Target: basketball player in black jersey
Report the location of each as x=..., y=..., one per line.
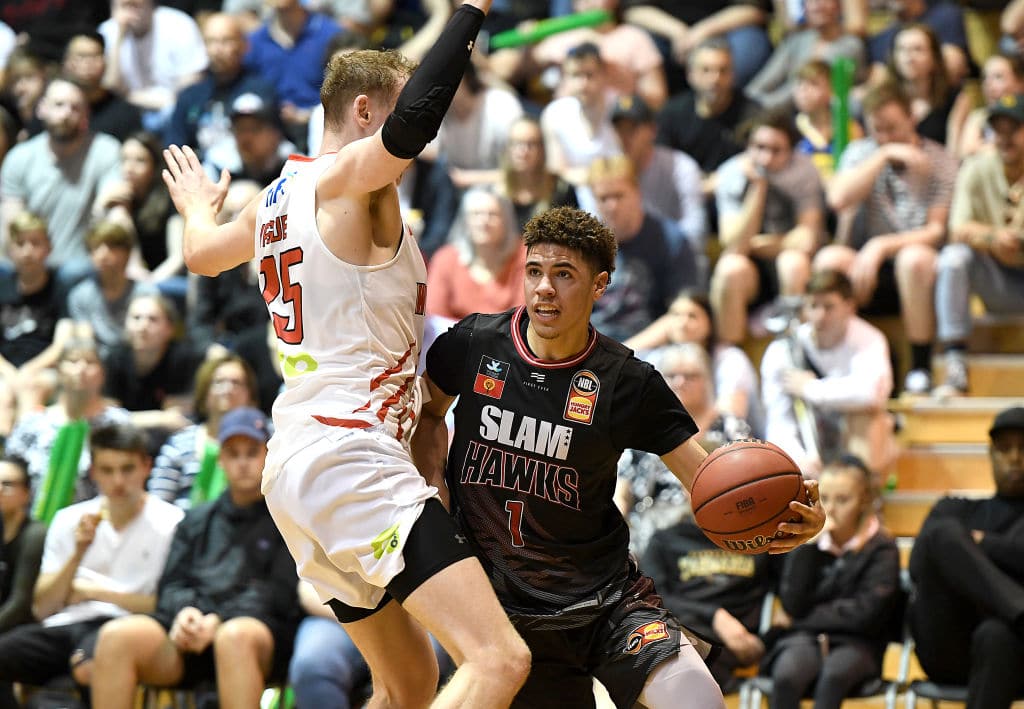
x=547, y=404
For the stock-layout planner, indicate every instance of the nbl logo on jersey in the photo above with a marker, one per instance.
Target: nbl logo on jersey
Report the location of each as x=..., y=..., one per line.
x=490, y=377
x=579, y=405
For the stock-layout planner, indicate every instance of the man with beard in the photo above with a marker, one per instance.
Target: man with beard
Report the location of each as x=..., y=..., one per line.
x=967, y=612
x=58, y=173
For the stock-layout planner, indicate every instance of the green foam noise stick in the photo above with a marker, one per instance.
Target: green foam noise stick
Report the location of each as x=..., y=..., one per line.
x=62, y=473
x=843, y=69
x=548, y=27
x=209, y=482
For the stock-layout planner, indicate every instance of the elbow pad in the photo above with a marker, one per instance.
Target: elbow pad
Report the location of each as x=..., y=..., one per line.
x=428, y=93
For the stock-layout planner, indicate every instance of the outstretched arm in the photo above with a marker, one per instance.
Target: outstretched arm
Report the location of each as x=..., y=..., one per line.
x=209, y=248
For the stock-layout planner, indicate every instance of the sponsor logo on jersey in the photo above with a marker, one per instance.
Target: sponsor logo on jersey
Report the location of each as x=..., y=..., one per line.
x=536, y=381
x=579, y=405
x=386, y=542
x=276, y=191
x=645, y=635
x=490, y=377
x=421, y=298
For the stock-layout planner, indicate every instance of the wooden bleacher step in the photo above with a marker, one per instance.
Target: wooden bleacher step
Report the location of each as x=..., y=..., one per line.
x=989, y=374
x=954, y=420
x=998, y=333
x=940, y=467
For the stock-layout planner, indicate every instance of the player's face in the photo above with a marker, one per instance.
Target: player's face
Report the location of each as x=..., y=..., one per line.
x=560, y=290
x=829, y=314
x=844, y=500
x=242, y=459
x=1007, y=453
x=120, y=476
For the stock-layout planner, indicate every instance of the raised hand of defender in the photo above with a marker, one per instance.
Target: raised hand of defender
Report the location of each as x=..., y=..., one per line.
x=190, y=187
x=812, y=519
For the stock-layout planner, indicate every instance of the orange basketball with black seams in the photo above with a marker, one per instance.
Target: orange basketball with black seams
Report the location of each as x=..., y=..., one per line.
x=742, y=491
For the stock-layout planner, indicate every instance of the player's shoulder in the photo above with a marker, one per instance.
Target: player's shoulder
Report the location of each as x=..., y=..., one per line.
x=615, y=354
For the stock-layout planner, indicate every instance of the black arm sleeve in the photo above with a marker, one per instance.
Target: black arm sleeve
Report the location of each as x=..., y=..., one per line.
x=425, y=99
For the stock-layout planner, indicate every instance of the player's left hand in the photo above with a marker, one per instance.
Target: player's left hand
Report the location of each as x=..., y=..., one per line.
x=189, y=185
x=812, y=519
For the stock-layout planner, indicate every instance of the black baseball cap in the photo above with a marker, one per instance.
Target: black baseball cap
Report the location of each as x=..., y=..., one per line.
x=254, y=106
x=632, y=108
x=1011, y=419
x=1011, y=106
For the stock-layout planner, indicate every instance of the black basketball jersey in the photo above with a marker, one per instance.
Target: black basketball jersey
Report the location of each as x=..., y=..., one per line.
x=532, y=467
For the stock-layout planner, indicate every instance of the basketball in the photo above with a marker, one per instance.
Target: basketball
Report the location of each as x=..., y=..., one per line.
x=742, y=491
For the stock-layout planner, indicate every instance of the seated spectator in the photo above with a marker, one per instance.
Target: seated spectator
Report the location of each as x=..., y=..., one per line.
x=59, y=173
x=632, y=59
x=716, y=593
x=826, y=386
x=1002, y=76
x=840, y=598
x=985, y=255
x=898, y=184
x=102, y=558
x=525, y=178
x=738, y=26
x=771, y=217
x=80, y=379
x=703, y=121
x=967, y=608
x=823, y=39
x=226, y=606
x=813, y=99
x=670, y=180
x=223, y=383
x=288, y=51
x=481, y=269
x=151, y=374
x=86, y=63
x=689, y=319
x=101, y=300
x=652, y=263
x=201, y=117
x=229, y=306
x=945, y=18
x=25, y=79
x=259, y=149
x=576, y=126
x=34, y=319
x=140, y=201
x=153, y=52
x=937, y=105
x=21, y=551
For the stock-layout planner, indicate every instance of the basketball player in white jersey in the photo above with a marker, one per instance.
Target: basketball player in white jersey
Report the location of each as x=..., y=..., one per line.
x=345, y=283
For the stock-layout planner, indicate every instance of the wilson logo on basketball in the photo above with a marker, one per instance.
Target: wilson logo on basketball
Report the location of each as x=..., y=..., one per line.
x=579, y=406
x=645, y=635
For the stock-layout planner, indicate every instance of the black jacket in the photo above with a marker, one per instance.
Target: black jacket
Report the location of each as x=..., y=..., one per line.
x=230, y=561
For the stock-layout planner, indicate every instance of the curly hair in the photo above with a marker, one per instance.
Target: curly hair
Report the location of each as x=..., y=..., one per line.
x=574, y=229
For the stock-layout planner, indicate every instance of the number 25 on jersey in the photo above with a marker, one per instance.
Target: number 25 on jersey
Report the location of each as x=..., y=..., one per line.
x=276, y=272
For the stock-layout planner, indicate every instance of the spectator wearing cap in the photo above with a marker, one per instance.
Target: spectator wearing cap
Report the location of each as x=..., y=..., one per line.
x=289, y=50
x=967, y=611
x=201, y=116
x=670, y=180
x=771, y=216
x=153, y=52
x=227, y=605
x=259, y=149
x=985, y=256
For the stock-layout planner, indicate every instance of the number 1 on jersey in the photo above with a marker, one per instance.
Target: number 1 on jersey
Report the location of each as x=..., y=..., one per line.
x=277, y=281
x=515, y=520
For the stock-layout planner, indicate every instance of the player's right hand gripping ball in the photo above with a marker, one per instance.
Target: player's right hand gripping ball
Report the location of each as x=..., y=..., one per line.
x=742, y=491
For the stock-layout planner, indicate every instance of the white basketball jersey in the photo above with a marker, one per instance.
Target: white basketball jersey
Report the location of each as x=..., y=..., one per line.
x=348, y=336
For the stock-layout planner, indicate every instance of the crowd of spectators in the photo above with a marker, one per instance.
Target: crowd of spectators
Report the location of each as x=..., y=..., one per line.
x=706, y=135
